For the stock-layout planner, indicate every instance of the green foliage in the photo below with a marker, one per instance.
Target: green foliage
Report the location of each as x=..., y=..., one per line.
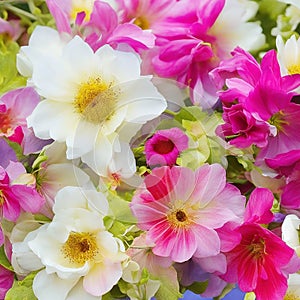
x=9, y=77
x=22, y=290
x=198, y=287
x=4, y=261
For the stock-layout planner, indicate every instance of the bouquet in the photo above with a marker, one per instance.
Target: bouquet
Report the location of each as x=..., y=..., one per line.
x=149, y=149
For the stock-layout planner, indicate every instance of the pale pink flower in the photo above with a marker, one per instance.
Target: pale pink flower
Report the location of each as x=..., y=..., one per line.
x=164, y=147
x=180, y=210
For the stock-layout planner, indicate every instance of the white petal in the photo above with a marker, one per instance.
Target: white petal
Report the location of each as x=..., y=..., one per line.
x=50, y=286
x=79, y=293
x=51, y=119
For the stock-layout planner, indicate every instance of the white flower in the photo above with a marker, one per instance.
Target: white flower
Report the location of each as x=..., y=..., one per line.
x=288, y=55
x=93, y=101
x=81, y=258
x=236, y=14
x=290, y=232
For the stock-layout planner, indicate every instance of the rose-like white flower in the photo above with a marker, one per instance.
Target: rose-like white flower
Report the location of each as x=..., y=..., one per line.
x=80, y=257
x=93, y=101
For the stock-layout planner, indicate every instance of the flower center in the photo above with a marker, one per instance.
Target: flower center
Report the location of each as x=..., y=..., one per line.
x=79, y=6
x=178, y=219
x=80, y=247
x=96, y=100
x=142, y=22
x=257, y=247
x=291, y=296
x=2, y=198
x=164, y=146
x=278, y=120
x=5, y=122
x=293, y=69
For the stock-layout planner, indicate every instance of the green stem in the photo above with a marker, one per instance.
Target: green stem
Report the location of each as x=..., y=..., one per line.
x=169, y=112
x=19, y=11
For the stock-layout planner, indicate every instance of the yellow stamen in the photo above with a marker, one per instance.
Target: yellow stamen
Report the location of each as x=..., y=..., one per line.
x=142, y=22
x=179, y=219
x=291, y=296
x=2, y=198
x=278, y=120
x=80, y=247
x=96, y=100
x=293, y=69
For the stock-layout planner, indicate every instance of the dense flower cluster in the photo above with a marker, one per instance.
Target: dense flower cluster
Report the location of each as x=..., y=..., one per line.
x=149, y=149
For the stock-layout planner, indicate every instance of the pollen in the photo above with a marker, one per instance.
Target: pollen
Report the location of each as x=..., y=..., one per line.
x=96, y=100
x=257, y=248
x=142, y=22
x=179, y=219
x=293, y=69
x=5, y=122
x=2, y=198
x=278, y=120
x=291, y=296
x=79, y=6
x=80, y=247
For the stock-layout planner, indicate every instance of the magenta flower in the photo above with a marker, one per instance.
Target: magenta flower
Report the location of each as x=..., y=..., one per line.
x=288, y=165
x=180, y=210
x=15, y=198
x=261, y=261
x=265, y=116
x=164, y=147
x=6, y=281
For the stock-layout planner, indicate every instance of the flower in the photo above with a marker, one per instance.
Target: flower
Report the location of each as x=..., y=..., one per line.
x=196, y=36
x=164, y=147
x=79, y=255
x=290, y=232
x=92, y=108
x=180, y=210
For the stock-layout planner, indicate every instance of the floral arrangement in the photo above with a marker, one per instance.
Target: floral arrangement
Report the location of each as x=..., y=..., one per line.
x=149, y=149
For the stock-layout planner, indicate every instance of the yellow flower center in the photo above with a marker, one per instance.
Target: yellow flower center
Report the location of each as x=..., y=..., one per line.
x=293, y=69
x=278, y=120
x=179, y=219
x=291, y=296
x=142, y=22
x=79, y=6
x=80, y=247
x=257, y=248
x=96, y=100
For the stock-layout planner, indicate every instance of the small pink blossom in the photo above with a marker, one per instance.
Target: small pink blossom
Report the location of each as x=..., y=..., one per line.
x=6, y=281
x=15, y=197
x=15, y=107
x=180, y=210
x=164, y=147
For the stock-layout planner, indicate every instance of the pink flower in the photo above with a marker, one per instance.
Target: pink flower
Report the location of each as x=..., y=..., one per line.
x=145, y=13
x=288, y=165
x=180, y=210
x=15, y=197
x=243, y=128
x=6, y=281
x=99, y=25
x=15, y=107
x=261, y=261
x=266, y=97
x=192, y=40
x=164, y=147
x=12, y=28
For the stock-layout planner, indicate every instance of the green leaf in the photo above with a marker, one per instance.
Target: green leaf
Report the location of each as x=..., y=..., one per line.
x=192, y=113
x=22, y=290
x=120, y=209
x=198, y=287
x=4, y=261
